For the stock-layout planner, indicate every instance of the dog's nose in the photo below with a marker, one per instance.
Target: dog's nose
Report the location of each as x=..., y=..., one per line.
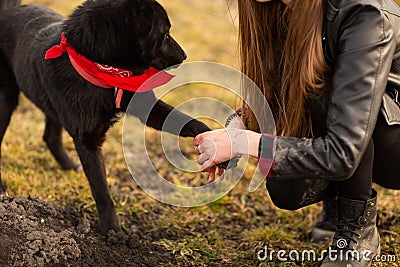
x=184, y=56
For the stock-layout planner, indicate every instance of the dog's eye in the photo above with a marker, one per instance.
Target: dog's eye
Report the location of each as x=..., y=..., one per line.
x=166, y=36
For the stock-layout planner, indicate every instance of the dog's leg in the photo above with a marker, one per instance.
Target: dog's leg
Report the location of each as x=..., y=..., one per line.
x=90, y=153
x=154, y=113
x=8, y=102
x=53, y=138
x=178, y=122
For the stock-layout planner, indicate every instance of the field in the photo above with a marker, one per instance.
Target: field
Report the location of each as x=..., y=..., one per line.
x=228, y=232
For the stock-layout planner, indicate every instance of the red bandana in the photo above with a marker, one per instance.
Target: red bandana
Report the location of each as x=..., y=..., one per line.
x=109, y=77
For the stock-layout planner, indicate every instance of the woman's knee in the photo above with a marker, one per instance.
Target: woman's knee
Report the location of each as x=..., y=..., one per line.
x=297, y=194
x=284, y=196
x=285, y=204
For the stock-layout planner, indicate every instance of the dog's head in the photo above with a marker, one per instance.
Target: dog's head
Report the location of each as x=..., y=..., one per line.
x=128, y=34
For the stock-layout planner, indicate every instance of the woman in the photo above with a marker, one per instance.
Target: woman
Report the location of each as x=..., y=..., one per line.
x=325, y=67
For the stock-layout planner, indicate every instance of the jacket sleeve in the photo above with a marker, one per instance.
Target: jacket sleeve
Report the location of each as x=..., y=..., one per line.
x=364, y=54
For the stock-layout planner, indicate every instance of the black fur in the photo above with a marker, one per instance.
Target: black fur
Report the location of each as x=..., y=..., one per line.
x=129, y=34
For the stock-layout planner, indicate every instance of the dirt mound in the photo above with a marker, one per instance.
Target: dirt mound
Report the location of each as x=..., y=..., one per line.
x=36, y=233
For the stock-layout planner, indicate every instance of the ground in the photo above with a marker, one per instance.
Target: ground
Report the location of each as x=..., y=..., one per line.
x=36, y=233
x=55, y=222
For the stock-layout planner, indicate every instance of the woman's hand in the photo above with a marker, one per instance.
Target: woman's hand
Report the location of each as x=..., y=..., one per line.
x=222, y=145
x=236, y=123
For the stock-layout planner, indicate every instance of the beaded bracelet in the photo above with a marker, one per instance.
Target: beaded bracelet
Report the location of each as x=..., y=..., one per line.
x=232, y=163
x=238, y=113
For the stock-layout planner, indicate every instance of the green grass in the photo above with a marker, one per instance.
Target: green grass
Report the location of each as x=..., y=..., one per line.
x=225, y=233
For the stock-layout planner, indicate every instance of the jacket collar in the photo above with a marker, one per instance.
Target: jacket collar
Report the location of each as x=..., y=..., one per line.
x=331, y=9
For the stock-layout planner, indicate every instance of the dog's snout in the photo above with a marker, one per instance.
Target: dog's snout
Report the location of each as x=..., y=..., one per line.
x=184, y=57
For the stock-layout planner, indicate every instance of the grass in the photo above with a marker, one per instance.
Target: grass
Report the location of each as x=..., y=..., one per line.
x=228, y=232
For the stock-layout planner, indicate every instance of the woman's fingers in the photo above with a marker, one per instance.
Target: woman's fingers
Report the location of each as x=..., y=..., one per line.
x=208, y=135
x=211, y=174
x=197, y=141
x=202, y=159
x=207, y=165
x=216, y=147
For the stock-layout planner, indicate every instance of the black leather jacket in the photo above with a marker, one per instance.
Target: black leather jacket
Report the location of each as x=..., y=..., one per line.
x=362, y=45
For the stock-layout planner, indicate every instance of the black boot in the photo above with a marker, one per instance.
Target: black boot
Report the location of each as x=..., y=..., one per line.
x=325, y=229
x=356, y=241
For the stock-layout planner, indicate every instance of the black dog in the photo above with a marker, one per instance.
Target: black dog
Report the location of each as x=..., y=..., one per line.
x=127, y=34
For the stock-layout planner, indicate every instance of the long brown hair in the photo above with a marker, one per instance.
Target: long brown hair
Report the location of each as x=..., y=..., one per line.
x=281, y=51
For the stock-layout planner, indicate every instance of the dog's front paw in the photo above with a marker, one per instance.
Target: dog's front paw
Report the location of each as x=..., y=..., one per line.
x=194, y=128
x=78, y=168
x=71, y=166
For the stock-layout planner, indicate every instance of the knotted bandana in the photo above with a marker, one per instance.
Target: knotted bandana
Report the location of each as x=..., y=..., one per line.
x=109, y=77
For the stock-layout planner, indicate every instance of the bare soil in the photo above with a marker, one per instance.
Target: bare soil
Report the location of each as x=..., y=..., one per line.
x=36, y=233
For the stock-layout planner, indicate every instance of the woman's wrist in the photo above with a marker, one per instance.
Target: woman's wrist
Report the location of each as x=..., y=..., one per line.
x=254, y=143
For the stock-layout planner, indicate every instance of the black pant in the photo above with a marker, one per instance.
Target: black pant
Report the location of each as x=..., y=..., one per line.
x=380, y=164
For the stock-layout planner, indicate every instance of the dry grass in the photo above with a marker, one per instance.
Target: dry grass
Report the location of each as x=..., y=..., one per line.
x=225, y=233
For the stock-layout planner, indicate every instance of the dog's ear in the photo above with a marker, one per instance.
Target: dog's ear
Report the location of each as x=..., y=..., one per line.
x=144, y=10
x=119, y=33
x=143, y=15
